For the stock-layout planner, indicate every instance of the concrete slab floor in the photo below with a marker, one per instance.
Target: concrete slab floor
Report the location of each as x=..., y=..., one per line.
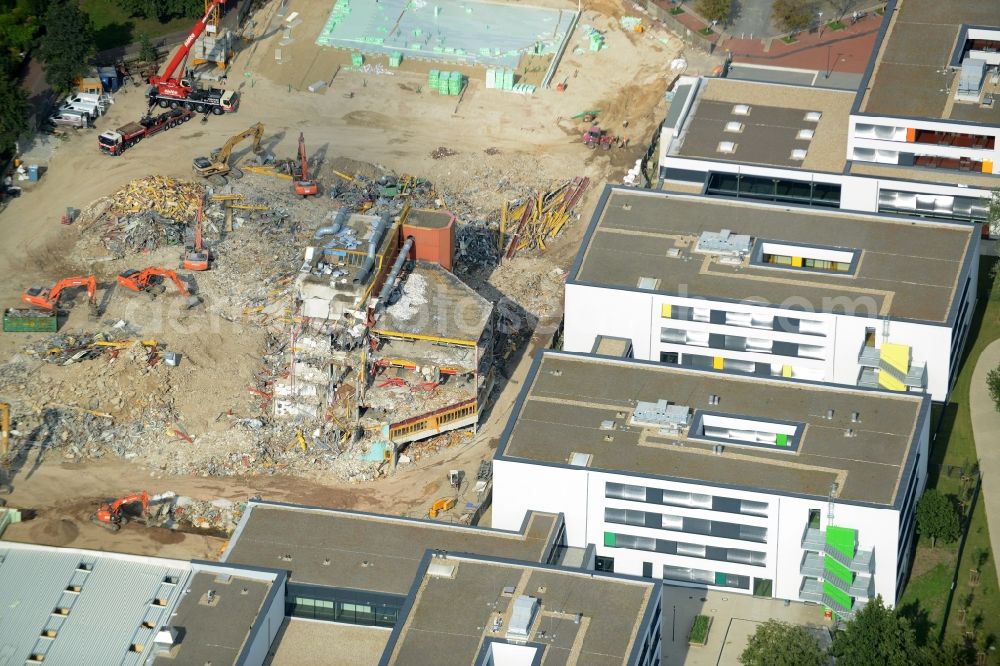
x=457, y=31
x=734, y=619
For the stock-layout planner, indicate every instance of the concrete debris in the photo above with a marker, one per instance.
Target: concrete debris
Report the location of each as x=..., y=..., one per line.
x=442, y=151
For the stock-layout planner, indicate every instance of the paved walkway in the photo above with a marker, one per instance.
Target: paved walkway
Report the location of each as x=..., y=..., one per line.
x=845, y=50
x=986, y=429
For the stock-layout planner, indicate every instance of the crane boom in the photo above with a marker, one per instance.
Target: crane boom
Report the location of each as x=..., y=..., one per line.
x=182, y=53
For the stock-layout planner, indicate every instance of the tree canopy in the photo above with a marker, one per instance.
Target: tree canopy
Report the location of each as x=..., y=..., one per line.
x=937, y=517
x=876, y=635
x=163, y=10
x=792, y=15
x=993, y=386
x=778, y=643
x=68, y=44
x=715, y=10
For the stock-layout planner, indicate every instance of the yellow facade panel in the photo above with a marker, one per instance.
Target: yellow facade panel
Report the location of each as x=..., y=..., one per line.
x=665, y=310
x=719, y=363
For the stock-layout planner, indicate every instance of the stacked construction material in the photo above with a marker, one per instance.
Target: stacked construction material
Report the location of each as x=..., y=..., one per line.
x=357, y=59
x=500, y=79
x=446, y=83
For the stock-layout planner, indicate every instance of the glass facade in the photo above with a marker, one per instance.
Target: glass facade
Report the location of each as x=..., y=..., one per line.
x=341, y=605
x=766, y=188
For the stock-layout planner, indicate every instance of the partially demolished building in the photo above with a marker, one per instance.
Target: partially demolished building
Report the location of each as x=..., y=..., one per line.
x=387, y=344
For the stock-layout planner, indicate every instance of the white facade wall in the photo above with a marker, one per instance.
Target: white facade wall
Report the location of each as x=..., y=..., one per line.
x=831, y=348
x=894, y=131
x=579, y=493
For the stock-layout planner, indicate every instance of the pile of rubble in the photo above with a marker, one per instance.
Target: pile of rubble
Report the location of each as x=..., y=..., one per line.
x=175, y=199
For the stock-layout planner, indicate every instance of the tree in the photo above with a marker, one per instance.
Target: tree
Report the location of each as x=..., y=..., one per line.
x=163, y=10
x=68, y=44
x=993, y=214
x=147, y=52
x=715, y=10
x=952, y=653
x=13, y=113
x=937, y=517
x=778, y=643
x=993, y=386
x=876, y=635
x=792, y=15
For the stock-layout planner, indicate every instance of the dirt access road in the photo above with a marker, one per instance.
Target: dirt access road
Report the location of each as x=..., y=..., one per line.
x=378, y=119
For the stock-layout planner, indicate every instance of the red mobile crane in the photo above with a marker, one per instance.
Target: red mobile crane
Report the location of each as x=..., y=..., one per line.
x=303, y=186
x=167, y=90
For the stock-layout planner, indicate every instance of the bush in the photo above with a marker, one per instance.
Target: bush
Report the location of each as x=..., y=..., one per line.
x=993, y=386
x=699, y=630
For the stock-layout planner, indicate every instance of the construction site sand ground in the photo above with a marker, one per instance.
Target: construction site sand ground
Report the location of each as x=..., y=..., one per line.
x=502, y=143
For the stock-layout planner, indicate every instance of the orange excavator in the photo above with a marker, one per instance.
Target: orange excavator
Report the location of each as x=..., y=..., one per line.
x=48, y=299
x=196, y=259
x=111, y=516
x=303, y=186
x=150, y=280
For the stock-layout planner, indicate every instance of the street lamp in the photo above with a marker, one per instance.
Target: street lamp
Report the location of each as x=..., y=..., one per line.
x=820, y=24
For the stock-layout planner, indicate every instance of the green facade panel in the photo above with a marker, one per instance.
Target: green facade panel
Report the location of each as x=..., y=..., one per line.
x=610, y=539
x=837, y=595
x=832, y=567
x=842, y=539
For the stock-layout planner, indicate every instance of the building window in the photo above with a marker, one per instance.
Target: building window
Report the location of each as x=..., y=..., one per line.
x=814, y=519
x=602, y=563
x=774, y=189
x=812, y=258
x=763, y=587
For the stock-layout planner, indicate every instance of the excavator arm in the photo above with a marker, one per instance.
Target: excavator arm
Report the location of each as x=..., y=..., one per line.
x=144, y=280
x=48, y=299
x=256, y=131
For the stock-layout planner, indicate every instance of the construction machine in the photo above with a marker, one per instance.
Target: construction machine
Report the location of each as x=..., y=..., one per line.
x=303, y=186
x=48, y=299
x=150, y=280
x=441, y=505
x=215, y=167
x=168, y=90
x=110, y=514
x=196, y=258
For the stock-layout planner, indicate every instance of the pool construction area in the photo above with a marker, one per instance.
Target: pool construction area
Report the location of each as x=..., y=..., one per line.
x=459, y=32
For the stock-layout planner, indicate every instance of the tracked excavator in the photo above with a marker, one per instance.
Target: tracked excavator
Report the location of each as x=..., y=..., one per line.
x=303, y=186
x=215, y=167
x=150, y=280
x=48, y=299
x=110, y=514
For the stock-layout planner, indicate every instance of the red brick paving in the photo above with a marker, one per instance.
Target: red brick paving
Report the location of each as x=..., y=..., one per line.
x=844, y=51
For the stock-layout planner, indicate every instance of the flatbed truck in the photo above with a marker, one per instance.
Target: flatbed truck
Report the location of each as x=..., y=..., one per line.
x=118, y=141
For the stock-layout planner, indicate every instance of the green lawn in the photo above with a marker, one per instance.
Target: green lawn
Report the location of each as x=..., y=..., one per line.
x=953, y=451
x=114, y=27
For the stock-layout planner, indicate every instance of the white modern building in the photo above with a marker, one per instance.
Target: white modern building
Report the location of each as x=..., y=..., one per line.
x=777, y=488
x=786, y=144
x=930, y=99
x=801, y=292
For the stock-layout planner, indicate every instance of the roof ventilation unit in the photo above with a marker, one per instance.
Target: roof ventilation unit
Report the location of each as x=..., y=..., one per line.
x=579, y=459
x=806, y=134
x=648, y=283
x=661, y=414
x=741, y=109
x=727, y=147
x=855, y=417
x=724, y=243
x=798, y=154
x=813, y=116
x=734, y=127
x=525, y=608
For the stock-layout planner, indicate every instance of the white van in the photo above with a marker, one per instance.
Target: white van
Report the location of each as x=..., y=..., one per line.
x=91, y=109
x=68, y=118
x=85, y=97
